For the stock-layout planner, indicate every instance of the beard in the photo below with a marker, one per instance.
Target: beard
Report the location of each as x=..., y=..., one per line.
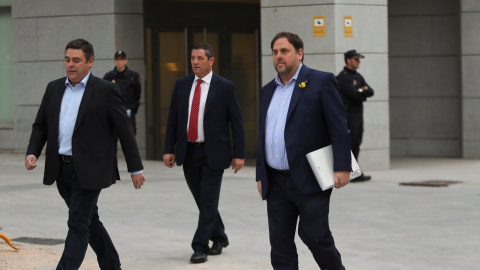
x=286, y=70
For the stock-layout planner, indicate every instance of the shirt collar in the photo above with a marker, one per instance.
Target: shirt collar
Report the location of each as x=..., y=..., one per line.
x=278, y=81
x=83, y=82
x=206, y=79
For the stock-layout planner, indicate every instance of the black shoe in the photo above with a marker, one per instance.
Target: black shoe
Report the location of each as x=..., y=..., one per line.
x=361, y=178
x=217, y=247
x=198, y=257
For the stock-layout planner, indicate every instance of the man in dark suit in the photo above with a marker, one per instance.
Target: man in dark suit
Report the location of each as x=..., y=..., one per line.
x=354, y=90
x=203, y=108
x=129, y=83
x=300, y=111
x=77, y=119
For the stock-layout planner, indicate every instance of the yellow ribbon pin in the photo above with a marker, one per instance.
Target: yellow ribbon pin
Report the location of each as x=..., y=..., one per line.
x=303, y=84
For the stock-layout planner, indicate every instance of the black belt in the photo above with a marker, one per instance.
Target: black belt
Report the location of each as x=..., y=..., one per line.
x=285, y=172
x=196, y=144
x=65, y=158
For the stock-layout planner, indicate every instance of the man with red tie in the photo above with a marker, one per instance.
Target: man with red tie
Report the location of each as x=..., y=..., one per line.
x=203, y=108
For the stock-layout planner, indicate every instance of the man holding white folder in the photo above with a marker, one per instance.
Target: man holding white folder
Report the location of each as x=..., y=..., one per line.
x=300, y=111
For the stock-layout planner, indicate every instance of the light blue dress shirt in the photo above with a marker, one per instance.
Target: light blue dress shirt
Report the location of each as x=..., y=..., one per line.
x=276, y=154
x=68, y=116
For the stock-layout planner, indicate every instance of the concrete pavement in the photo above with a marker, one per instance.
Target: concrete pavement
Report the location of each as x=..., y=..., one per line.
x=376, y=224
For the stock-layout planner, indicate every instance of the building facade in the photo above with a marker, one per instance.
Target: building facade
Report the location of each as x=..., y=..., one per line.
x=421, y=59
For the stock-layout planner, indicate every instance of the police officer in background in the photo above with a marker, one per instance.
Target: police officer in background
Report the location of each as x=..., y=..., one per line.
x=354, y=90
x=129, y=82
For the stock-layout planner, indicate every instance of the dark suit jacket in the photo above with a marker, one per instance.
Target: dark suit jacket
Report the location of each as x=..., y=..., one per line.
x=101, y=112
x=349, y=82
x=130, y=87
x=222, y=110
x=315, y=119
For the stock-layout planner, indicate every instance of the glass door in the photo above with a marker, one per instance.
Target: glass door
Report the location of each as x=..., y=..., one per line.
x=236, y=59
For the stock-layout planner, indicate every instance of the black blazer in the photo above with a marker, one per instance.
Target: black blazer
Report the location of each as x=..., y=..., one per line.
x=315, y=119
x=222, y=111
x=101, y=112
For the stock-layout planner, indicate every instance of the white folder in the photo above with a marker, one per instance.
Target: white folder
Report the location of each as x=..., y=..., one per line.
x=321, y=162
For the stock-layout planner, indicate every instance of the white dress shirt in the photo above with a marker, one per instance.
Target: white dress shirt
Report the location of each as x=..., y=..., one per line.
x=205, y=85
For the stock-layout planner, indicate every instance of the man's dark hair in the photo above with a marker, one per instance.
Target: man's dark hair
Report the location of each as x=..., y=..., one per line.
x=294, y=39
x=204, y=46
x=82, y=44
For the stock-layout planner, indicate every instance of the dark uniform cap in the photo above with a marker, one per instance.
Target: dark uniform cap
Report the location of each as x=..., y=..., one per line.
x=353, y=53
x=121, y=54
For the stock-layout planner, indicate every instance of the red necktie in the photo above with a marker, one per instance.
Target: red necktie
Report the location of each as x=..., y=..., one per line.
x=193, y=124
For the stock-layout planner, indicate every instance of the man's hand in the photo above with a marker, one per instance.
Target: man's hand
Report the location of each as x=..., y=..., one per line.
x=30, y=163
x=259, y=187
x=138, y=180
x=237, y=164
x=342, y=178
x=169, y=160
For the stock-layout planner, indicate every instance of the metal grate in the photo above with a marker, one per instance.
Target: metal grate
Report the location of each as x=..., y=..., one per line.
x=430, y=183
x=39, y=241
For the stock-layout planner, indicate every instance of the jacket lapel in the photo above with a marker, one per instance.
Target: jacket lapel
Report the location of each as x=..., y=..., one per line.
x=267, y=94
x=184, y=103
x=266, y=99
x=297, y=91
x=87, y=95
x=57, y=104
x=212, y=90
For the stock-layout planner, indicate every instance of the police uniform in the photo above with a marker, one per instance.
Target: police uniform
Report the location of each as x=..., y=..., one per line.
x=351, y=83
x=130, y=88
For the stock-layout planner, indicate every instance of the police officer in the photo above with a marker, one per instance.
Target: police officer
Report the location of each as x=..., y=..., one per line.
x=354, y=90
x=129, y=82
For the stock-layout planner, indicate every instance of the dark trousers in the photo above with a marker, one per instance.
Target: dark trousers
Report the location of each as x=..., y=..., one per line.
x=84, y=225
x=355, y=127
x=204, y=183
x=285, y=204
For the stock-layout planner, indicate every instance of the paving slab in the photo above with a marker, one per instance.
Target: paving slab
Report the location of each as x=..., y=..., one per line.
x=377, y=224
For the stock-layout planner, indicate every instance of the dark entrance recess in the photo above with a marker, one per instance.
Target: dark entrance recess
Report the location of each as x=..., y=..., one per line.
x=172, y=28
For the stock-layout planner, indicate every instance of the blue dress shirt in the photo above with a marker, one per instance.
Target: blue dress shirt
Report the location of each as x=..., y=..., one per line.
x=68, y=116
x=275, y=151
